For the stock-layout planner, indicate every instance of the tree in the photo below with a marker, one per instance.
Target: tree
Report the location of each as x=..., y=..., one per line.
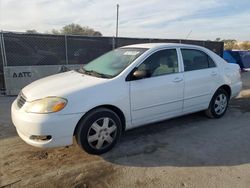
x=245, y=45
x=76, y=29
x=55, y=32
x=31, y=31
x=230, y=44
x=218, y=39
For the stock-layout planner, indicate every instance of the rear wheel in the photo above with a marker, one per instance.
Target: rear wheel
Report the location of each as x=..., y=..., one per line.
x=218, y=105
x=99, y=131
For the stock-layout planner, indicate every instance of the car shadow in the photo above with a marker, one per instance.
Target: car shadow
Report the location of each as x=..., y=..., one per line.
x=191, y=140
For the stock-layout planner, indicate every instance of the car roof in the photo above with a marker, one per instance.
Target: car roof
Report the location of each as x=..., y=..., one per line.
x=159, y=45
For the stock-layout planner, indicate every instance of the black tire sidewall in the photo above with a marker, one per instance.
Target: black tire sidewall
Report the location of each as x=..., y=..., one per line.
x=87, y=121
x=211, y=106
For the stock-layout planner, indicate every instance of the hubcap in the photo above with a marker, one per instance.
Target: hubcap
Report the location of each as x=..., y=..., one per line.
x=102, y=133
x=220, y=104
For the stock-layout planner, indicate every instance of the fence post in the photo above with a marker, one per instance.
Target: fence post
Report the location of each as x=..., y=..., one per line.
x=2, y=49
x=66, y=49
x=113, y=42
x=4, y=63
x=4, y=52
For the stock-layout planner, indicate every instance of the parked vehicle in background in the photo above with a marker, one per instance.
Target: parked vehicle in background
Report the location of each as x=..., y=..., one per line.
x=240, y=57
x=123, y=89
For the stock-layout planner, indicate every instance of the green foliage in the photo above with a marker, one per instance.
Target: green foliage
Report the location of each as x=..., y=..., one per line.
x=55, y=32
x=31, y=31
x=230, y=44
x=218, y=39
x=245, y=45
x=76, y=29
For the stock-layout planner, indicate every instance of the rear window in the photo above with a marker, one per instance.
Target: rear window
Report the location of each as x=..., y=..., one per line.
x=196, y=60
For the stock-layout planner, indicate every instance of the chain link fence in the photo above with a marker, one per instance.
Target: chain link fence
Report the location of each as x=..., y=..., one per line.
x=34, y=51
x=217, y=47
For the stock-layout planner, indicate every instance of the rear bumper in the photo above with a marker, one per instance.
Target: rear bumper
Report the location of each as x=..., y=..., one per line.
x=59, y=127
x=235, y=89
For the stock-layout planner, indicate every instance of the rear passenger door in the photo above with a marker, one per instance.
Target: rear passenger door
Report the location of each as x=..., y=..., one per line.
x=201, y=77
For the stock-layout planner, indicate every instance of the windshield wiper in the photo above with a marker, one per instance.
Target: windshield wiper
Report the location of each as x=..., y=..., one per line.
x=94, y=73
x=80, y=70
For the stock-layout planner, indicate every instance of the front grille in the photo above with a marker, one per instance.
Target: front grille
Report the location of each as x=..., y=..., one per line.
x=21, y=100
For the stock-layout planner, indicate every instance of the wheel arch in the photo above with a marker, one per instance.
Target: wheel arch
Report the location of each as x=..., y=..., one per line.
x=209, y=112
x=227, y=88
x=115, y=109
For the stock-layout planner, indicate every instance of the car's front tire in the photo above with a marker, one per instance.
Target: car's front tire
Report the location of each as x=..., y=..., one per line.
x=218, y=104
x=98, y=131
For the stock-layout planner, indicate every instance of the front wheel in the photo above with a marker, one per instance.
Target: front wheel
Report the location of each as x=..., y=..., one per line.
x=218, y=105
x=99, y=131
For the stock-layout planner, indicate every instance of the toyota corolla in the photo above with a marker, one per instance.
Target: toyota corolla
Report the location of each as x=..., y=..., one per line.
x=123, y=89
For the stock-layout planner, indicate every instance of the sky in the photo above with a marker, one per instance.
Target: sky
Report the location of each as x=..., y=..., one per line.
x=172, y=19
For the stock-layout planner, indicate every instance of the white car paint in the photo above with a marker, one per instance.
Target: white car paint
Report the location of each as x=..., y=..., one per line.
x=170, y=95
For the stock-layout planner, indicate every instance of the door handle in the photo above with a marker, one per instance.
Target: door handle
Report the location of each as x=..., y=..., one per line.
x=177, y=79
x=213, y=73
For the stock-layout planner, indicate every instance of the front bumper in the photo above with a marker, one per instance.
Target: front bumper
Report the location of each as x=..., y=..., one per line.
x=59, y=126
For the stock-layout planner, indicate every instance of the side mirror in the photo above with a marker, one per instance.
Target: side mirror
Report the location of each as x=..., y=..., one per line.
x=139, y=74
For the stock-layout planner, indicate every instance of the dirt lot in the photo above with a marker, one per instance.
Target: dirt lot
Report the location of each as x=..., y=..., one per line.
x=190, y=151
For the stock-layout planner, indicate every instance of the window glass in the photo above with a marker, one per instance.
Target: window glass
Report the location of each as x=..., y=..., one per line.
x=113, y=62
x=195, y=59
x=160, y=63
x=211, y=62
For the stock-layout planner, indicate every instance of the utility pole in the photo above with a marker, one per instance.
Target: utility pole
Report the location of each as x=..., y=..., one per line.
x=117, y=17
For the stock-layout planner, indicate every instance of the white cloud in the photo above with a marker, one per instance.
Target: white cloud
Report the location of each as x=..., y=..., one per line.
x=151, y=18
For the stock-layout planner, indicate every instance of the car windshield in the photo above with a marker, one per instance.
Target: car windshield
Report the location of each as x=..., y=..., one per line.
x=112, y=63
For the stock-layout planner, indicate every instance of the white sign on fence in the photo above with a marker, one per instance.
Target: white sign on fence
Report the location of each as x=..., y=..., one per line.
x=17, y=77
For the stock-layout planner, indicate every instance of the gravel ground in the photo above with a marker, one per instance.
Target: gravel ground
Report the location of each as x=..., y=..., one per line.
x=190, y=151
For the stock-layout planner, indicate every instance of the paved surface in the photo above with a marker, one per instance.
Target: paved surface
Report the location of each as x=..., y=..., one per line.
x=190, y=151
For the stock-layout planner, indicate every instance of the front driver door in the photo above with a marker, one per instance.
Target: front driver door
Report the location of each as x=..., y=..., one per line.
x=160, y=95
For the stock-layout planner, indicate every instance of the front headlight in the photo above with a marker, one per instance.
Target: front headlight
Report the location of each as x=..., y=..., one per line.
x=46, y=105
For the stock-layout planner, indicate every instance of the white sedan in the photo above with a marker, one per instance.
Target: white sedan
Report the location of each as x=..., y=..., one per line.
x=123, y=89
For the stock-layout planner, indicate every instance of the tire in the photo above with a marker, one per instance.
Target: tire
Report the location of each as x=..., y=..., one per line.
x=218, y=104
x=98, y=131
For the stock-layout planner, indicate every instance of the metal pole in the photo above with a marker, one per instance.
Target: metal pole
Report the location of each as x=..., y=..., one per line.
x=4, y=63
x=188, y=34
x=1, y=47
x=4, y=59
x=113, y=42
x=66, y=49
x=4, y=52
x=117, y=18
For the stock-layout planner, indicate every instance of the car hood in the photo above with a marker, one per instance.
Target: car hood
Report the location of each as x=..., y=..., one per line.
x=60, y=85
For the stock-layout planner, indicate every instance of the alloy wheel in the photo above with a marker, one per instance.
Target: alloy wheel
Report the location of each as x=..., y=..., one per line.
x=102, y=133
x=220, y=104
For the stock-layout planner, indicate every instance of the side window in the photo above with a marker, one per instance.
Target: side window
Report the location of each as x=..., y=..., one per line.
x=195, y=60
x=211, y=62
x=160, y=63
